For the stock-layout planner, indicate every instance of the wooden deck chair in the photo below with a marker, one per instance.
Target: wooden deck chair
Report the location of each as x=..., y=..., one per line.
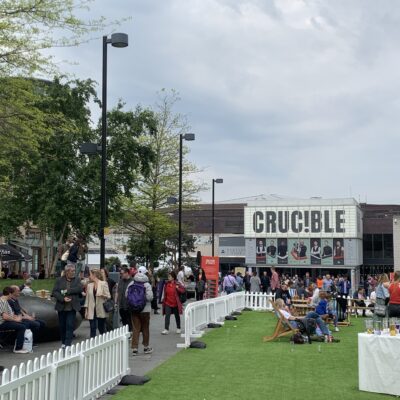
x=282, y=328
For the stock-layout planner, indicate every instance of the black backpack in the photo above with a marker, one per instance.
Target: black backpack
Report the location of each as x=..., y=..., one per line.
x=307, y=327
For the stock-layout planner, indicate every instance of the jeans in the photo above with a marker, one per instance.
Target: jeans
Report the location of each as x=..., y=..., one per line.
x=229, y=289
x=19, y=328
x=66, y=320
x=97, y=323
x=35, y=327
x=141, y=323
x=172, y=310
x=319, y=321
x=199, y=295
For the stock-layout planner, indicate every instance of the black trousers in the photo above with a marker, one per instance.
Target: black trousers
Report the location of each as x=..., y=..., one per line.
x=126, y=318
x=172, y=310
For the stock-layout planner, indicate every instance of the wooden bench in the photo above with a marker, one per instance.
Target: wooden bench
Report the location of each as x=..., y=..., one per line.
x=282, y=328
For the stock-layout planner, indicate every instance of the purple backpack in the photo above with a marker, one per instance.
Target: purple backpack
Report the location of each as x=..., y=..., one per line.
x=136, y=297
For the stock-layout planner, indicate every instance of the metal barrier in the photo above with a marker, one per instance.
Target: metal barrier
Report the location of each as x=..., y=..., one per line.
x=86, y=371
x=201, y=313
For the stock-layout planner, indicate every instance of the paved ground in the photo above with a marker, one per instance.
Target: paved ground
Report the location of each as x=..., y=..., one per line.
x=164, y=347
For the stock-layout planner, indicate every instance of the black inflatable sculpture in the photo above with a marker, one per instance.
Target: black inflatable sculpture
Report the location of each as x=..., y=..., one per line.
x=44, y=310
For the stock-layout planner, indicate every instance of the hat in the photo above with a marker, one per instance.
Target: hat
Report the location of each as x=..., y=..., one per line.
x=142, y=270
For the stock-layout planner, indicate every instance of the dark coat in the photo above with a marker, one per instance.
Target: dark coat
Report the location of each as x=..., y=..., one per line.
x=74, y=293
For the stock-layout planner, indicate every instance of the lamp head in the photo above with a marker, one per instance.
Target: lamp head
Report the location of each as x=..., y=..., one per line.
x=119, y=40
x=189, y=136
x=219, y=180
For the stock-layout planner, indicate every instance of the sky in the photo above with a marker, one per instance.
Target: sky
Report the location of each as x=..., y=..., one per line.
x=298, y=98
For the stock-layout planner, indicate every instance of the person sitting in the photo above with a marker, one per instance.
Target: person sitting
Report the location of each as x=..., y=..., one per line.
x=324, y=311
x=35, y=325
x=11, y=322
x=27, y=289
x=293, y=320
x=284, y=294
x=359, y=299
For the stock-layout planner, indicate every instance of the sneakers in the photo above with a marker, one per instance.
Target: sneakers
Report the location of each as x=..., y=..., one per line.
x=178, y=331
x=134, y=352
x=148, y=350
x=21, y=351
x=336, y=329
x=165, y=332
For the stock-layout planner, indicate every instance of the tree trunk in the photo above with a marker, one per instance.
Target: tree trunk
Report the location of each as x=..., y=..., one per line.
x=54, y=260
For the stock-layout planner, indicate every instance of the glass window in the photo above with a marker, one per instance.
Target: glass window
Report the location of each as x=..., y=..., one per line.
x=378, y=245
x=367, y=245
x=388, y=246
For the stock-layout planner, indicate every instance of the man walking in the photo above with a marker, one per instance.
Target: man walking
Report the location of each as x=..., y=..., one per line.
x=123, y=284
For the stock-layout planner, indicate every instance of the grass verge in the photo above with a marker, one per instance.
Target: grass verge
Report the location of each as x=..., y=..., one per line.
x=37, y=284
x=238, y=365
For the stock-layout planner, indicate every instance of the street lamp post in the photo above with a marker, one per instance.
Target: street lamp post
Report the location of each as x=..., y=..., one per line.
x=116, y=40
x=214, y=181
x=189, y=137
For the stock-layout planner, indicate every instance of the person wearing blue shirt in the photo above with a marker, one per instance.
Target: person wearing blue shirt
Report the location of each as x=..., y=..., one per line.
x=325, y=311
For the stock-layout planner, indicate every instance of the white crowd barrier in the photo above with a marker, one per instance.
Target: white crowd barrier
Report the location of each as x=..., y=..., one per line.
x=201, y=313
x=86, y=371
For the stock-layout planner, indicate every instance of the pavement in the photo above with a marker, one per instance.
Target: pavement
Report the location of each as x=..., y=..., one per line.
x=164, y=347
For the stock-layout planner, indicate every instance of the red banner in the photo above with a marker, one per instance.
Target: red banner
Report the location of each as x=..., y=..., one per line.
x=210, y=266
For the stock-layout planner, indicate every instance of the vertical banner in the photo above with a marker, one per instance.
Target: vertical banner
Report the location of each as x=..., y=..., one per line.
x=210, y=266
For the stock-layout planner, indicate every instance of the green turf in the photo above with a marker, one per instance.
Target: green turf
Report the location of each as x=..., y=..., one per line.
x=37, y=284
x=238, y=365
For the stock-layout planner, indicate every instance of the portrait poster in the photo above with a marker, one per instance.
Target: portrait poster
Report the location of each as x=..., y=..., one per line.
x=271, y=251
x=282, y=251
x=338, y=251
x=315, y=251
x=261, y=251
x=327, y=252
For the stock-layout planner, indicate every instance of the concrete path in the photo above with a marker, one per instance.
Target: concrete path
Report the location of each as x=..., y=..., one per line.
x=164, y=347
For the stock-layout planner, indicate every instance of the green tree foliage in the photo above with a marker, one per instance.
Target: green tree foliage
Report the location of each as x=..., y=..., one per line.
x=29, y=26
x=146, y=211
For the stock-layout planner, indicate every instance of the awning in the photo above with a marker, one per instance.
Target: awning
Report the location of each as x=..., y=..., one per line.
x=9, y=253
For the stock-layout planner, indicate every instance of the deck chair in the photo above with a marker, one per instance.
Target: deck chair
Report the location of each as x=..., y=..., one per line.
x=282, y=328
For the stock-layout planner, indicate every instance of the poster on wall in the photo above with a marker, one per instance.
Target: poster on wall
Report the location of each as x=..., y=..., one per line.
x=298, y=251
x=282, y=255
x=327, y=252
x=271, y=251
x=338, y=252
x=261, y=252
x=210, y=265
x=315, y=251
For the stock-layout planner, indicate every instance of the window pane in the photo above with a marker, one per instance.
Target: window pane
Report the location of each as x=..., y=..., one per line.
x=388, y=246
x=378, y=245
x=367, y=243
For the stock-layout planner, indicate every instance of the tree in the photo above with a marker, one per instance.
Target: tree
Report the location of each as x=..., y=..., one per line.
x=60, y=191
x=146, y=210
x=30, y=26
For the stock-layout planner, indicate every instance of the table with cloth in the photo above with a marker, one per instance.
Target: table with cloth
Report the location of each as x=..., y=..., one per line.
x=379, y=363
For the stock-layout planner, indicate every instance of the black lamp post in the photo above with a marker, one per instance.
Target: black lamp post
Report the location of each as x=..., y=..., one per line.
x=214, y=181
x=186, y=136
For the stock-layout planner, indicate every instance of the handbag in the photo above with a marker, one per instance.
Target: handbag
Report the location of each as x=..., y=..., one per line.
x=108, y=305
x=380, y=308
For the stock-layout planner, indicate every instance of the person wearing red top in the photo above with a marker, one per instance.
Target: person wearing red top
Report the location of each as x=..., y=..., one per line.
x=171, y=302
x=394, y=291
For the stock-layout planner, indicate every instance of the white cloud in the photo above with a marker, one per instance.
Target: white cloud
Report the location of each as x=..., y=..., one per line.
x=298, y=97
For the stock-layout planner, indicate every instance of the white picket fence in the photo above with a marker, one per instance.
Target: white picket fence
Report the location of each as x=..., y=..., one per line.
x=200, y=313
x=86, y=371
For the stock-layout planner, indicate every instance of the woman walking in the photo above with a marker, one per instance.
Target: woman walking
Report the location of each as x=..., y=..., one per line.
x=201, y=281
x=96, y=294
x=171, y=302
x=394, y=291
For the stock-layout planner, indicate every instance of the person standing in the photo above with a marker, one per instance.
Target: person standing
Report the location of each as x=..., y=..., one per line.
x=141, y=319
x=67, y=291
x=246, y=281
x=97, y=293
x=394, y=295
x=171, y=302
x=265, y=282
x=201, y=281
x=255, y=283
x=123, y=284
x=275, y=284
x=229, y=283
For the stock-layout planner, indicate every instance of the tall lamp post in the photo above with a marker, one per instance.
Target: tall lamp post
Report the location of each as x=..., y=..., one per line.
x=188, y=137
x=214, y=181
x=116, y=40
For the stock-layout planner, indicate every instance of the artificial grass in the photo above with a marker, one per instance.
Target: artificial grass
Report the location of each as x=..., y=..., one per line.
x=237, y=365
x=37, y=284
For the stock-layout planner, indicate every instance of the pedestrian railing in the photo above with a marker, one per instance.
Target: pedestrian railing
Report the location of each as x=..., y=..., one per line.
x=201, y=313
x=81, y=372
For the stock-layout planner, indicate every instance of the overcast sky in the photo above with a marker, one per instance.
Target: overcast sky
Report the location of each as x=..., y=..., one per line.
x=293, y=97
